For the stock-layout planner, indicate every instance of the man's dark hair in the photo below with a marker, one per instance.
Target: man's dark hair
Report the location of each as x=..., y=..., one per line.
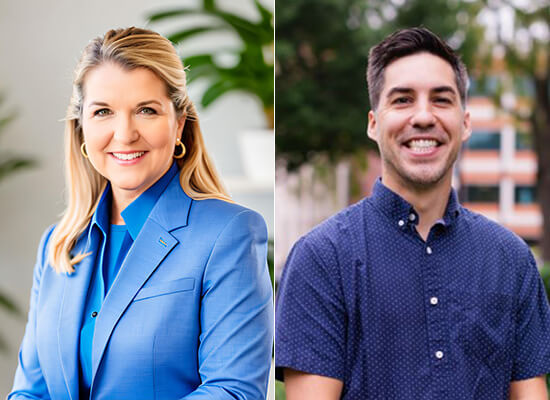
x=407, y=42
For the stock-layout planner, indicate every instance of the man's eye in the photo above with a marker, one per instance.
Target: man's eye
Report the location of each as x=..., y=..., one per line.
x=102, y=112
x=444, y=100
x=402, y=100
x=147, y=111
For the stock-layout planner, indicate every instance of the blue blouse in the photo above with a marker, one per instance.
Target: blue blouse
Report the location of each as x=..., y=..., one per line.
x=116, y=242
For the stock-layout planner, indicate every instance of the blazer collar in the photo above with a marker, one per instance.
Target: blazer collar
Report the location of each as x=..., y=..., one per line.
x=172, y=209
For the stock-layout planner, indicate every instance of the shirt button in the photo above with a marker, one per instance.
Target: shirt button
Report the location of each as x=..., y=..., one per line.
x=439, y=355
x=433, y=301
x=401, y=222
x=429, y=250
x=94, y=314
x=412, y=217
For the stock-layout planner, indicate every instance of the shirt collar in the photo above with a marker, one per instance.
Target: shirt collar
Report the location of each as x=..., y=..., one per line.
x=136, y=213
x=398, y=209
x=100, y=219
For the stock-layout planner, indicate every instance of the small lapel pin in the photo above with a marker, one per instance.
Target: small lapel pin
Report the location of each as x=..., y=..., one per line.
x=161, y=241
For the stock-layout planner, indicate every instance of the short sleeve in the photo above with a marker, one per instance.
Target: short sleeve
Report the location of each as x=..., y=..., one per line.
x=310, y=312
x=532, y=327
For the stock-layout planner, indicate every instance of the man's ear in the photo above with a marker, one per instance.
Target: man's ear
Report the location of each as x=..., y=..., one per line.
x=467, y=132
x=371, y=127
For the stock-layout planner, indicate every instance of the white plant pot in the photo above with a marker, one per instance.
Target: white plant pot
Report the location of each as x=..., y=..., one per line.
x=258, y=155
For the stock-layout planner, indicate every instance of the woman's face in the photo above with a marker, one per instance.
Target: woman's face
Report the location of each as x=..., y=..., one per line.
x=130, y=127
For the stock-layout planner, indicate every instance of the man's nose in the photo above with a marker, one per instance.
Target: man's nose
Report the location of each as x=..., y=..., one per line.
x=125, y=130
x=423, y=117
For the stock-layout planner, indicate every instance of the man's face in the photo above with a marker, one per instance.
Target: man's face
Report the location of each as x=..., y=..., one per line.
x=419, y=124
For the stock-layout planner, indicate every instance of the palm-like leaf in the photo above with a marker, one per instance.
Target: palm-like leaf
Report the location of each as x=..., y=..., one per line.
x=253, y=73
x=7, y=304
x=180, y=36
x=9, y=164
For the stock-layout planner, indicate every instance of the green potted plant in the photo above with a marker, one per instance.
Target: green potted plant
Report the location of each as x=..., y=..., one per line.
x=251, y=73
x=8, y=165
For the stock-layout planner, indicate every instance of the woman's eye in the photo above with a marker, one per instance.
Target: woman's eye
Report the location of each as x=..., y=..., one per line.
x=102, y=112
x=147, y=110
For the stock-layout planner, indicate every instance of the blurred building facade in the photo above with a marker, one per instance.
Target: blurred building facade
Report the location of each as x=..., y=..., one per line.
x=497, y=171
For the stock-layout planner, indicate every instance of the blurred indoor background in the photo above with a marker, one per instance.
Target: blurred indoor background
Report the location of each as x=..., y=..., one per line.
x=40, y=43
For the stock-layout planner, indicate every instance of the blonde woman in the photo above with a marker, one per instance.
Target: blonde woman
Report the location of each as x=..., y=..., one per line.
x=154, y=284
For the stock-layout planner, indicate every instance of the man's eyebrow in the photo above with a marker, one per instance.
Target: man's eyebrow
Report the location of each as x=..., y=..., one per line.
x=399, y=90
x=444, y=89
x=407, y=90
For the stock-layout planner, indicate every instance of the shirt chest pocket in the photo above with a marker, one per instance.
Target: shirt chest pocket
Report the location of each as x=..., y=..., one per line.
x=483, y=326
x=165, y=288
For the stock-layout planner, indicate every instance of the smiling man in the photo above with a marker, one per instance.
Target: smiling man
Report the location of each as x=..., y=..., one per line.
x=406, y=294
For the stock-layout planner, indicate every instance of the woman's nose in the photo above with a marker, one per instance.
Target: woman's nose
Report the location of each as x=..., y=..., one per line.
x=125, y=130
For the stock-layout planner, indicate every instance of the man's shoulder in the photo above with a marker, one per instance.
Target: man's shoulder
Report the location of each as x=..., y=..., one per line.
x=493, y=234
x=336, y=231
x=345, y=220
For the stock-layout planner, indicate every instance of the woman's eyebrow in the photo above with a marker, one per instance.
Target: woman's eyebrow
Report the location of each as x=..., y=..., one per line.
x=142, y=103
x=98, y=103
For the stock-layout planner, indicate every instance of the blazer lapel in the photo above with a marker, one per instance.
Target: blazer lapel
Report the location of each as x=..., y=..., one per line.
x=73, y=302
x=152, y=245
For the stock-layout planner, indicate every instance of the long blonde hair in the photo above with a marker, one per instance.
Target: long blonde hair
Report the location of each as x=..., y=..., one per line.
x=130, y=48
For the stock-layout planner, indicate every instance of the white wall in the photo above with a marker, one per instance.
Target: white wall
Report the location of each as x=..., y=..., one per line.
x=40, y=42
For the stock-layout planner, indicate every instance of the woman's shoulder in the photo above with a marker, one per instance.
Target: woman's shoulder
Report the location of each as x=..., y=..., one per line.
x=44, y=242
x=43, y=249
x=220, y=213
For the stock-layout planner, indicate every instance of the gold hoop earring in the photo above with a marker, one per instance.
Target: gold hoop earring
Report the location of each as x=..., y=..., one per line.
x=179, y=153
x=83, y=150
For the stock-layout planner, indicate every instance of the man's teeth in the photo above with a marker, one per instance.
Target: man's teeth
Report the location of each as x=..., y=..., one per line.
x=128, y=156
x=423, y=145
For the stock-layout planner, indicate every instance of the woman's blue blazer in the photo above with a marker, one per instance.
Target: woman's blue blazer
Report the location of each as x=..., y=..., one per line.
x=189, y=316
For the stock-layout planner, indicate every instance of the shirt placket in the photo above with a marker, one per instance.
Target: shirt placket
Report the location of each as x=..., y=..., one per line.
x=435, y=305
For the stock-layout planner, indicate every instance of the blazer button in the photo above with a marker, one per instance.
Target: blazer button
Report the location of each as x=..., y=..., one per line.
x=94, y=314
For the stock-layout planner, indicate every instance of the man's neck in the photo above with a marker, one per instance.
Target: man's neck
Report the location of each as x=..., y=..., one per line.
x=429, y=202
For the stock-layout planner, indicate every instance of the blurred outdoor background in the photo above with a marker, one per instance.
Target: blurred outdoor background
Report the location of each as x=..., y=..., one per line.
x=325, y=160
x=228, y=46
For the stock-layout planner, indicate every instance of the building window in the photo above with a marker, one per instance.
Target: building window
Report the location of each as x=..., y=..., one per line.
x=524, y=141
x=525, y=194
x=484, y=140
x=487, y=85
x=482, y=194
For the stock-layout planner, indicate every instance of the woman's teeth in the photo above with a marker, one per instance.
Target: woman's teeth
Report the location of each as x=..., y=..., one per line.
x=128, y=156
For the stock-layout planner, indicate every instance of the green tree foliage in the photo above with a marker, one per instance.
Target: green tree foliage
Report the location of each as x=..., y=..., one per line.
x=321, y=59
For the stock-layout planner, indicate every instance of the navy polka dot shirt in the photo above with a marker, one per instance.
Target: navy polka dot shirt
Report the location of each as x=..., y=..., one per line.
x=365, y=300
